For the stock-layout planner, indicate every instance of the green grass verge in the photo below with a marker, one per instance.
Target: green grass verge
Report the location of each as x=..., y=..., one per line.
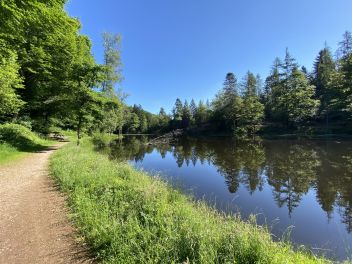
x=9, y=153
x=16, y=141
x=126, y=216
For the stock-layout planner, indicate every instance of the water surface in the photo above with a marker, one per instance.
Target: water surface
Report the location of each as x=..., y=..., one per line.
x=301, y=189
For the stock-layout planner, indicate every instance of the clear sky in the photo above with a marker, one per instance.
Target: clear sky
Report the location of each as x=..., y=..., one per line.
x=184, y=48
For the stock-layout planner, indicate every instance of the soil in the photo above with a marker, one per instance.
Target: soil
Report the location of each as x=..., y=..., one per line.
x=34, y=222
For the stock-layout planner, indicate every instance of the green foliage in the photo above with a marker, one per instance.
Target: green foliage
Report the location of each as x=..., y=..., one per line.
x=134, y=123
x=177, y=110
x=10, y=80
x=290, y=96
x=186, y=115
x=225, y=102
x=299, y=101
x=201, y=114
x=126, y=216
x=112, y=63
x=113, y=118
x=20, y=137
x=164, y=119
x=251, y=116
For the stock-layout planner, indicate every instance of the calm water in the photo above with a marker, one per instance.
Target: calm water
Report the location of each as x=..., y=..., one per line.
x=301, y=189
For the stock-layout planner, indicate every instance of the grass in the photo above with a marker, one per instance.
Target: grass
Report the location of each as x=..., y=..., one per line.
x=16, y=141
x=9, y=153
x=126, y=216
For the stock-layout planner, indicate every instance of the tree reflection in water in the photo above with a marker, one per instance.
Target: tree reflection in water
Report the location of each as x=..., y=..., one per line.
x=290, y=167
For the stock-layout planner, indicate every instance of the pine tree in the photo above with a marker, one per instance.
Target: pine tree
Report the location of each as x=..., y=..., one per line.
x=250, y=84
x=223, y=104
x=288, y=65
x=230, y=84
x=344, y=76
x=324, y=68
x=299, y=99
x=177, y=112
x=193, y=108
x=163, y=119
x=259, y=86
x=273, y=91
x=252, y=110
x=201, y=114
x=345, y=46
x=186, y=115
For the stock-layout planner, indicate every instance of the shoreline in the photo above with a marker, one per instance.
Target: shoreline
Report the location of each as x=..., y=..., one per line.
x=99, y=189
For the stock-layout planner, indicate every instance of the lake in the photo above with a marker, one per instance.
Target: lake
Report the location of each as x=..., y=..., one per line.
x=300, y=189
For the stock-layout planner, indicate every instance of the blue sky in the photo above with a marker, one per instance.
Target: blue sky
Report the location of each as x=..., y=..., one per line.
x=184, y=48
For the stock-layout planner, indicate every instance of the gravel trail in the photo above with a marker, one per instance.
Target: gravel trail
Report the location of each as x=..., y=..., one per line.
x=34, y=226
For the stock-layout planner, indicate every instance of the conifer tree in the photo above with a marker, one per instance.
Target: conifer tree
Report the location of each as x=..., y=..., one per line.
x=186, y=115
x=193, y=108
x=324, y=69
x=177, y=112
x=345, y=73
x=252, y=110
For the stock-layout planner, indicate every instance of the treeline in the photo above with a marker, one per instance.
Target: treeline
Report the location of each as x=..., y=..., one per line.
x=290, y=98
x=49, y=79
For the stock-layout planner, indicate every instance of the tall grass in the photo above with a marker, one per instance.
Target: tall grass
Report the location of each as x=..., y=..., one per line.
x=126, y=216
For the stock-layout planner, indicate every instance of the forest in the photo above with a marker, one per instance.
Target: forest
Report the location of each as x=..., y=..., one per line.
x=49, y=80
x=290, y=100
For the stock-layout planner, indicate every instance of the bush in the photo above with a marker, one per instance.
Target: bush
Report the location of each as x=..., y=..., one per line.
x=20, y=137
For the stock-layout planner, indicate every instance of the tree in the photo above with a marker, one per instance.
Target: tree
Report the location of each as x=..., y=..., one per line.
x=343, y=79
x=288, y=65
x=134, y=123
x=252, y=111
x=164, y=119
x=272, y=91
x=177, y=112
x=143, y=124
x=230, y=85
x=300, y=102
x=324, y=68
x=225, y=103
x=345, y=46
x=10, y=81
x=259, y=86
x=201, y=115
x=112, y=63
x=290, y=96
x=113, y=119
x=46, y=41
x=82, y=103
x=193, y=108
x=186, y=115
x=250, y=84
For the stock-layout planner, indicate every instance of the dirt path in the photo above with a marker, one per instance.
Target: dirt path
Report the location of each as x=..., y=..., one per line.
x=34, y=227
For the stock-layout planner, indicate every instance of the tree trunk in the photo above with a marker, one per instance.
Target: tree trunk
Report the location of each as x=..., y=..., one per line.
x=79, y=130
